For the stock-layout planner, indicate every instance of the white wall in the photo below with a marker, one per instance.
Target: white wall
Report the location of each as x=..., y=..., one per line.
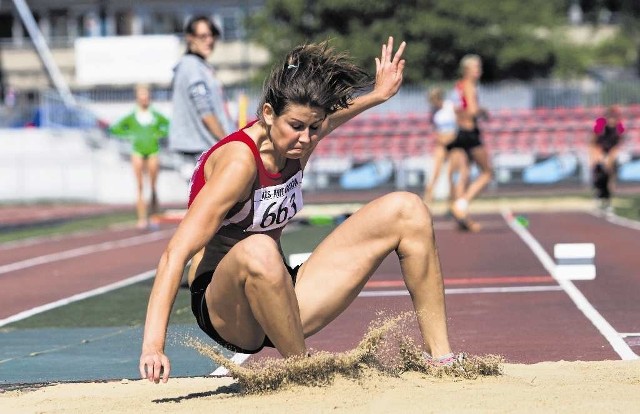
x=59, y=165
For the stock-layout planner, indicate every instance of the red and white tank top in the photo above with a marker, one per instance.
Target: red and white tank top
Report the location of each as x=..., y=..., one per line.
x=461, y=100
x=275, y=197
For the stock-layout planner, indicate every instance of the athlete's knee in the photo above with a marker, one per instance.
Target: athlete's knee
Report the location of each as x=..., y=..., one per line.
x=409, y=209
x=262, y=259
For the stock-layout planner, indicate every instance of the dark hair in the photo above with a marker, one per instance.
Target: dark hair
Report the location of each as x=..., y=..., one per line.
x=190, y=27
x=314, y=75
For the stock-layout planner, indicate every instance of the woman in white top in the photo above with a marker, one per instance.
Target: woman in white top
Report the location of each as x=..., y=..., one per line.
x=446, y=127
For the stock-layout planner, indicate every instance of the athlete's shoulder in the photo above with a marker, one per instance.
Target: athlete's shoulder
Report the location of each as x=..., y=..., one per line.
x=190, y=64
x=235, y=147
x=599, y=124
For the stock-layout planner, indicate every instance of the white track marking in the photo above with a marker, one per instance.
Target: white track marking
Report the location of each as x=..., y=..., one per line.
x=31, y=241
x=464, y=291
x=238, y=358
x=80, y=296
x=610, y=334
x=620, y=221
x=85, y=250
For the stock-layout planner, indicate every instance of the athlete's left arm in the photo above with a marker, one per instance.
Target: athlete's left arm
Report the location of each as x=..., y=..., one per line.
x=389, y=70
x=615, y=150
x=122, y=128
x=162, y=125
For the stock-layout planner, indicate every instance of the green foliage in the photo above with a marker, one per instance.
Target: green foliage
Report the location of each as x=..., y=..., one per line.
x=570, y=60
x=509, y=34
x=617, y=51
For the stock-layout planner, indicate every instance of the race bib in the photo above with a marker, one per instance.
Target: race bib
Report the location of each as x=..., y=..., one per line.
x=274, y=206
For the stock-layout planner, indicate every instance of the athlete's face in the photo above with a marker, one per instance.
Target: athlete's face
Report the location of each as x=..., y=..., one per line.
x=296, y=130
x=474, y=69
x=202, y=40
x=613, y=116
x=143, y=98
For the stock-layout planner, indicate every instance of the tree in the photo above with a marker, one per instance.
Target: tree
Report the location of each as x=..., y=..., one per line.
x=630, y=21
x=512, y=36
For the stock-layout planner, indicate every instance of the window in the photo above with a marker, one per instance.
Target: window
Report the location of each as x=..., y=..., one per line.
x=161, y=23
x=59, y=20
x=6, y=25
x=232, y=21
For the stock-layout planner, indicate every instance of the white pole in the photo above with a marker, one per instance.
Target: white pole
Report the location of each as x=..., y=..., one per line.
x=45, y=54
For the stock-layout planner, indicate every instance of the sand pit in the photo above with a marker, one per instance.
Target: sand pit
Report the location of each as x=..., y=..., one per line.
x=567, y=387
x=385, y=373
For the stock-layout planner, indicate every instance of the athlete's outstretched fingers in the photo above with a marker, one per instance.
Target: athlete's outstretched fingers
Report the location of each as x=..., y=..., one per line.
x=388, y=72
x=398, y=56
x=389, y=50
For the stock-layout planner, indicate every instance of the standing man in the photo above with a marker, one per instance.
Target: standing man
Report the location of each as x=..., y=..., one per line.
x=200, y=118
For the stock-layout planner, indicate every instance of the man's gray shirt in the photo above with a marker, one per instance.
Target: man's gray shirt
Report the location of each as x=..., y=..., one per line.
x=196, y=92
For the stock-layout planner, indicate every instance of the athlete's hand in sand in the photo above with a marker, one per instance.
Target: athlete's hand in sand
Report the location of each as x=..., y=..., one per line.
x=389, y=70
x=154, y=365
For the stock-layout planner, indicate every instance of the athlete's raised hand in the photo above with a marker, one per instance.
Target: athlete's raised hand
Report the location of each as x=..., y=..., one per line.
x=389, y=70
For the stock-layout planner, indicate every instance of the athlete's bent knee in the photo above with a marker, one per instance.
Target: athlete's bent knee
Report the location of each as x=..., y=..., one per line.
x=262, y=259
x=409, y=208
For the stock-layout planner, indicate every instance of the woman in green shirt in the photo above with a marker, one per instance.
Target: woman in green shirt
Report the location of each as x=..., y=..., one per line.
x=144, y=127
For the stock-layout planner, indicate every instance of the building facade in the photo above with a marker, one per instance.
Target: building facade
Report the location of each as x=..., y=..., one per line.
x=64, y=21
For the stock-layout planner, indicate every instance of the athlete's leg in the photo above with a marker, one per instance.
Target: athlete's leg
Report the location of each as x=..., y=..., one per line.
x=612, y=167
x=141, y=208
x=153, y=164
x=599, y=174
x=439, y=155
x=341, y=265
x=481, y=157
x=251, y=294
x=459, y=172
x=459, y=206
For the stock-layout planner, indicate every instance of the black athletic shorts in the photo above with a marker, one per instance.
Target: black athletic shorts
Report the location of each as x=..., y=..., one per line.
x=466, y=140
x=201, y=312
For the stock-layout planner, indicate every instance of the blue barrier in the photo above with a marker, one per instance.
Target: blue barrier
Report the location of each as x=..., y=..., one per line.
x=629, y=171
x=366, y=176
x=551, y=170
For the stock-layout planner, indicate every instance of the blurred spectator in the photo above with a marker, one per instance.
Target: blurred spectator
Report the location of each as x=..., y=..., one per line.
x=200, y=117
x=144, y=127
x=469, y=141
x=604, y=148
x=443, y=118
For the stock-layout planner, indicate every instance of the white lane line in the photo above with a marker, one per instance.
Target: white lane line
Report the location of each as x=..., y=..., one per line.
x=610, y=334
x=31, y=241
x=80, y=296
x=464, y=291
x=238, y=358
x=85, y=250
x=620, y=221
